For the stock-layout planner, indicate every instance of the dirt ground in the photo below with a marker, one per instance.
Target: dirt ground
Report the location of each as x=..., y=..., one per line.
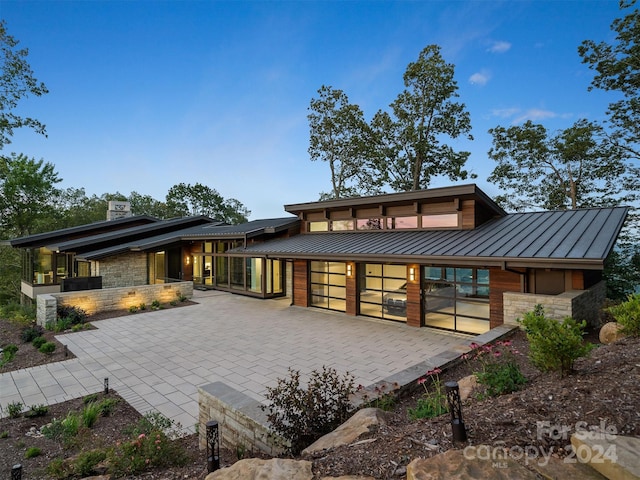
x=602, y=391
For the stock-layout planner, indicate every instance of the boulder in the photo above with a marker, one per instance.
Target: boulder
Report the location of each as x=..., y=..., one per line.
x=347, y=433
x=271, y=469
x=467, y=385
x=611, y=332
x=457, y=465
x=348, y=477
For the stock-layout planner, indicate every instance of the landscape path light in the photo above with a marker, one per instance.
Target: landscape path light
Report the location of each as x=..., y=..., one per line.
x=455, y=407
x=16, y=472
x=213, y=446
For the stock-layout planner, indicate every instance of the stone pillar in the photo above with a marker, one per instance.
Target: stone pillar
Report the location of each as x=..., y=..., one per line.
x=46, y=309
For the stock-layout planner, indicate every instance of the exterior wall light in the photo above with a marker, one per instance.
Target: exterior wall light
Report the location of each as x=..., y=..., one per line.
x=213, y=446
x=187, y=260
x=349, y=270
x=412, y=274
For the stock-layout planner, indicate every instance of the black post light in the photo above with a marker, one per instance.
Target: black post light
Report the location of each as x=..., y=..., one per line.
x=213, y=446
x=16, y=472
x=106, y=386
x=455, y=407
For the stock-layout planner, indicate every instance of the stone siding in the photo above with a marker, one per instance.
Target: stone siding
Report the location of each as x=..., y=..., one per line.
x=107, y=299
x=241, y=421
x=124, y=270
x=579, y=304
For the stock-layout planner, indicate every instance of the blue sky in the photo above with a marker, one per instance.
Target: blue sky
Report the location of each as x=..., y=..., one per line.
x=148, y=94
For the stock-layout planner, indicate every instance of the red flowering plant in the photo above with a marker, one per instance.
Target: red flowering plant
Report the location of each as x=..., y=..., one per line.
x=495, y=367
x=433, y=401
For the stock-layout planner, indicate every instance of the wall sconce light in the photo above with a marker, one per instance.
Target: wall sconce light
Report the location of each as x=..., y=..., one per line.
x=412, y=274
x=349, y=270
x=187, y=260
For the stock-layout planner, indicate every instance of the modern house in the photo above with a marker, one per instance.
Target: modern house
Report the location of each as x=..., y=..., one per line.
x=447, y=258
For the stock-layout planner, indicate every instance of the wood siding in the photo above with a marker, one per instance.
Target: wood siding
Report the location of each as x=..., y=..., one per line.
x=300, y=283
x=352, y=291
x=414, y=300
x=501, y=281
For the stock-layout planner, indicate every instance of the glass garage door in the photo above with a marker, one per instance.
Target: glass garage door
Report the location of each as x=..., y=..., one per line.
x=328, y=285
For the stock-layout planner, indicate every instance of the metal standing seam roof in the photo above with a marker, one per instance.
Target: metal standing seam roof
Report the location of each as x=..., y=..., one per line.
x=203, y=232
x=582, y=237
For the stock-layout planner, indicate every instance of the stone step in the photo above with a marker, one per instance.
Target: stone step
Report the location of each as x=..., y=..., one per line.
x=559, y=469
x=614, y=456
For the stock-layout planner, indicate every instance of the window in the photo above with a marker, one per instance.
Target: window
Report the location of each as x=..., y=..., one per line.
x=254, y=275
x=341, y=225
x=456, y=298
x=369, y=223
x=399, y=223
x=318, y=226
x=440, y=221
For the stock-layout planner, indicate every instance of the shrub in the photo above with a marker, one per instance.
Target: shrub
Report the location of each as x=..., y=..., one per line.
x=144, y=452
x=433, y=402
x=151, y=422
x=173, y=303
x=90, y=414
x=155, y=305
x=14, y=311
x=92, y=397
x=14, y=409
x=8, y=354
x=61, y=325
x=32, y=452
x=499, y=371
x=29, y=334
x=4, y=434
x=47, y=348
x=81, y=326
x=74, y=315
x=38, y=342
x=86, y=462
x=133, y=309
x=36, y=411
x=627, y=314
x=60, y=469
x=107, y=405
x=143, y=306
x=554, y=345
x=64, y=429
x=302, y=415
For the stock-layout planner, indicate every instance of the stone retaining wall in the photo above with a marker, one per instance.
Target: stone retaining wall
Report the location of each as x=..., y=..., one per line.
x=241, y=422
x=579, y=304
x=106, y=299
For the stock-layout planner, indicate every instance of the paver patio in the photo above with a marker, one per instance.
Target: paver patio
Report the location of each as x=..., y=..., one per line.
x=157, y=360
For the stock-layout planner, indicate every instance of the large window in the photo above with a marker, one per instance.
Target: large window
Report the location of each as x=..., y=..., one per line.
x=328, y=285
x=383, y=291
x=456, y=298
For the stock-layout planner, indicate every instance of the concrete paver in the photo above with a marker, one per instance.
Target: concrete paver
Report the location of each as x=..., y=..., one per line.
x=158, y=359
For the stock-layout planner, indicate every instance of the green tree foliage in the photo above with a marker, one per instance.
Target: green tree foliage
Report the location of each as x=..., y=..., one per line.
x=576, y=167
x=338, y=135
x=26, y=188
x=184, y=200
x=617, y=67
x=407, y=145
x=16, y=82
x=147, y=205
x=622, y=271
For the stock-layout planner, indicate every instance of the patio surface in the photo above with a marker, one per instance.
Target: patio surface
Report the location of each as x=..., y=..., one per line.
x=157, y=360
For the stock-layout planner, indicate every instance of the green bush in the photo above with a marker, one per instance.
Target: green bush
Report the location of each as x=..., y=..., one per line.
x=92, y=397
x=65, y=429
x=86, y=462
x=8, y=354
x=62, y=324
x=144, y=452
x=433, y=402
x=32, y=452
x=90, y=414
x=143, y=306
x=155, y=305
x=151, y=422
x=627, y=314
x=36, y=411
x=14, y=409
x=302, y=415
x=107, y=406
x=499, y=372
x=19, y=313
x=554, y=345
x=133, y=309
x=47, y=348
x=60, y=469
x=29, y=334
x=38, y=342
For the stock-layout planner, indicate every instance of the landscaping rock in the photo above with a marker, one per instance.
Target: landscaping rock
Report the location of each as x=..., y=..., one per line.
x=348, y=477
x=611, y=332
x=349, y=432
x=614, y=456
x=272, y=469
x=467, y=385
x=452, y=465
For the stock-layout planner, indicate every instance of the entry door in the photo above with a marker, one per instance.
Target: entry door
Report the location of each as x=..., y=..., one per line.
x=174, y=264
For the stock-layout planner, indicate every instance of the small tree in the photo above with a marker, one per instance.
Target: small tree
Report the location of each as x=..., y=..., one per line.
x=302, y=415
x=554, y=345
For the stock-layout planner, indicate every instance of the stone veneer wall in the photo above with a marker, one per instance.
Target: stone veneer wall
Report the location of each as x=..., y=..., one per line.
x=106, y=299
x=579, y=304
x=124, y=270
x=241, y=421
